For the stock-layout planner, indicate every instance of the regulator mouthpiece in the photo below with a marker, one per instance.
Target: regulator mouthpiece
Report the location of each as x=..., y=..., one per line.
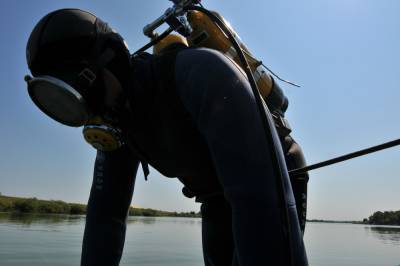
x=102, y=136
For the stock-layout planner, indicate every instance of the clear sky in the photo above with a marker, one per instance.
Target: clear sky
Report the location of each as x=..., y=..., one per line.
x=344, y=53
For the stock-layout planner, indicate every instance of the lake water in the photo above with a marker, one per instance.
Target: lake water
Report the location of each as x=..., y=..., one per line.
x=56, y=240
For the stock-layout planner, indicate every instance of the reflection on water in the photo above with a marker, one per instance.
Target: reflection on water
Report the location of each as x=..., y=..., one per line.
x=48, y=240
x=27, y=219
x=386, y=234
x=159, y=220
x=142, y=220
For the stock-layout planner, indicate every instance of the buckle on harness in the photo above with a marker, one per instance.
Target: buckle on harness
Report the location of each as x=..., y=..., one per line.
x=88, y=76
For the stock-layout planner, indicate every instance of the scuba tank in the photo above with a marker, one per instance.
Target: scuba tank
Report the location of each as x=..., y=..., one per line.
x=167, y=41
x=205, y=33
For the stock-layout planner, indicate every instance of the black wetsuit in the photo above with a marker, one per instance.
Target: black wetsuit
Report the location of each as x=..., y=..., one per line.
x=196, y=119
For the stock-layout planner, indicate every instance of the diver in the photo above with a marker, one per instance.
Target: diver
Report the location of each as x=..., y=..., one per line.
x=190, y=114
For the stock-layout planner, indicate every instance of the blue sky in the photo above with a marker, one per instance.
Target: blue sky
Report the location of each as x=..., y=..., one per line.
x=344, y=53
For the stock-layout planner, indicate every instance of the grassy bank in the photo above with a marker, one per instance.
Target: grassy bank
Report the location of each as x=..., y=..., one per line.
x=34, y=205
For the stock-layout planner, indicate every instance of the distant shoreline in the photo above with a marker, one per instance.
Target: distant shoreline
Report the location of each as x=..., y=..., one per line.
x=377, y=218
x=33, y=205
x=334, y=221
x=10, y=204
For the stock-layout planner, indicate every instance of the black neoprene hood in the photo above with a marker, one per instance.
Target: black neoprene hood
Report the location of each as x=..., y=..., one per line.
x=72, y=35
x=62, y=34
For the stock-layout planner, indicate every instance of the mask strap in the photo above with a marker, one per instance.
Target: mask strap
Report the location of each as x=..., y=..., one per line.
x=88, y=75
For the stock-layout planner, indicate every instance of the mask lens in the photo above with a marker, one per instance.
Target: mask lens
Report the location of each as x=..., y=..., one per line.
x=58, y=100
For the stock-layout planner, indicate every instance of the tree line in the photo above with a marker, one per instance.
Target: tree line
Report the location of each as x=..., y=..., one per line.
x=34, y=205
x=384, y=218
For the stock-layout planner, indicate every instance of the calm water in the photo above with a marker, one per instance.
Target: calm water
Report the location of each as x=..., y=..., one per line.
x=56, y=240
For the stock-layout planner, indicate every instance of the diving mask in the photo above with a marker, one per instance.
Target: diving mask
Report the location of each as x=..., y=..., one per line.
x=67, y=105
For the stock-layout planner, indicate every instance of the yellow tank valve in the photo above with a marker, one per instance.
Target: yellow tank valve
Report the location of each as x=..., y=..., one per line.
x=167, y=41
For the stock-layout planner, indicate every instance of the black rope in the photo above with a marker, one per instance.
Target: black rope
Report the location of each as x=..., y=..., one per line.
x=346, y=157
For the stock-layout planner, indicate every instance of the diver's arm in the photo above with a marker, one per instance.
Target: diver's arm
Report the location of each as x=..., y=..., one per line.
x=107, y=210
x=250, y=167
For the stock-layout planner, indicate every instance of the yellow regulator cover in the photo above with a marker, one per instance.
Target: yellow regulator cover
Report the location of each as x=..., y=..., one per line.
x=207, y=34
x=102, y=136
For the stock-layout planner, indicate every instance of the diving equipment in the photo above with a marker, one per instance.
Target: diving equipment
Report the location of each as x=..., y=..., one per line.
x=202, y=31
x=46, y=92
x=207, y=34
x=103, y=136
x=69, y=66
x=167, y=41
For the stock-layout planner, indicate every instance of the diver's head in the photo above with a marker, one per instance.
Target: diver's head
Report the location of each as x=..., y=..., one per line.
x=74, y=58
x=79, y=67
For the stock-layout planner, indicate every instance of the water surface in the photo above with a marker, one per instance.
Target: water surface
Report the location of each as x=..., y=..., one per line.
x=44, y=240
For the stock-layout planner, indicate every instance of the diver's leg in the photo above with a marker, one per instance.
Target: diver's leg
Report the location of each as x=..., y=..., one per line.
x=217, y=232
x=107, y=210
x=295, y=159
x=250, y=166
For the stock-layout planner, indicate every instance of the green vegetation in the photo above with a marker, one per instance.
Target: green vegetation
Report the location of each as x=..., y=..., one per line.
x=33, y=205
x=333, y=221
x=384, y=218
x=158, y=213
x=378, y=218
